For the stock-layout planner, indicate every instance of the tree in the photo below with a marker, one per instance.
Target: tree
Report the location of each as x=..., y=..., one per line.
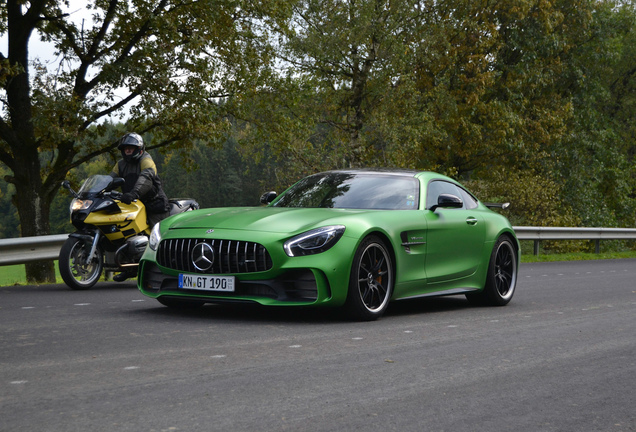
x=163, y=66
x=338, y=61
x=449, y=85
x=476, y=90
x=597, y=160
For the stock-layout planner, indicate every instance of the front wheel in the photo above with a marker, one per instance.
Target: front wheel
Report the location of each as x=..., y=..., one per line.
x=76, y=271
x=502, y=275
x=371, y=280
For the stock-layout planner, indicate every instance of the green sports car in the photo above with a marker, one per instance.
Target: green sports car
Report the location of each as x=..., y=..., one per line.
x=357, y=239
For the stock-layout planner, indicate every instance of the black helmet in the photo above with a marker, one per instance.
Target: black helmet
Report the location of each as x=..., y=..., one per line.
x=131, y=140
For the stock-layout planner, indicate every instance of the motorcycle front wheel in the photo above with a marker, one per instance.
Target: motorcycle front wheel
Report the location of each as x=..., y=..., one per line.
x=76, y=271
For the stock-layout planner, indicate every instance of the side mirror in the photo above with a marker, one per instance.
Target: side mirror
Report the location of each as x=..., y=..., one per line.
x=268, y=197
x=118, y=182
x=67, y=185
x=447, y=201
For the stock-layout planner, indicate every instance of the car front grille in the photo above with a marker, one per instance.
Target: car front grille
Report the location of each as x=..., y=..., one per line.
x=230, y=256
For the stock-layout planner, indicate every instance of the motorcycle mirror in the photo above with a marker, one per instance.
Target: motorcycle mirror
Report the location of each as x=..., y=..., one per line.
x=118, y=181
x=66, y=184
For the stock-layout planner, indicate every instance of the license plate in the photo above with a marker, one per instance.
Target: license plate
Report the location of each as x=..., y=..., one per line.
x=207, y=283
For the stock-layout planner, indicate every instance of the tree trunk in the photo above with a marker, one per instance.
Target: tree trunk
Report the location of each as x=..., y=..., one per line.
x=32, y=199
x=34, y=208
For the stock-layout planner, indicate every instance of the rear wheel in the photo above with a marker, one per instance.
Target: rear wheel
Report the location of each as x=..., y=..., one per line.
x=502, y=275
x=76, y=271
x=371, y=280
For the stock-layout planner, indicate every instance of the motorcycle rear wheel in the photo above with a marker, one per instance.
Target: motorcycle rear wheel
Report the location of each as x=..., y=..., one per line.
x=76, y=272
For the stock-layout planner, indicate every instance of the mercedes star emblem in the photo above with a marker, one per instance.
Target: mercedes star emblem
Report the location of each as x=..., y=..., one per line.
x=202, y=256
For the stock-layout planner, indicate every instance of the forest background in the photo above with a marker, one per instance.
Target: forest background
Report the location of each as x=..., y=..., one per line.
x=527, y=101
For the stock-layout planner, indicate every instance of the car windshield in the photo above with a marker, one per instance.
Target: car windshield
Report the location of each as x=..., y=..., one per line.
x=96, y=183
x=373, y=191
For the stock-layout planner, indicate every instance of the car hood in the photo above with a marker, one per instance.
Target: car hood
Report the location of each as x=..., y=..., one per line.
x=262, y=219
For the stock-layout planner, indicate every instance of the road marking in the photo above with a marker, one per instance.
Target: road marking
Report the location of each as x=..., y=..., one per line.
x=131, y=367
x=19, y=382
x=295, y=346
x=81, y=304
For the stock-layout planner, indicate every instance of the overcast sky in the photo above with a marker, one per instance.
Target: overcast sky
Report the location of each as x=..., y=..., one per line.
x=42, y=50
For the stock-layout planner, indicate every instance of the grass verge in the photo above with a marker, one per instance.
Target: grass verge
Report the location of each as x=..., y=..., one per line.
x=527, y=258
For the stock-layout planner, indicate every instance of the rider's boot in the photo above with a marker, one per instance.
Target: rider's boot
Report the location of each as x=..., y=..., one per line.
x=126, y=274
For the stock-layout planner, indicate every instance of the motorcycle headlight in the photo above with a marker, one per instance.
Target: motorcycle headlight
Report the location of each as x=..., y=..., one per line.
x=155, y=237
x=78, y=204
x=314, y=242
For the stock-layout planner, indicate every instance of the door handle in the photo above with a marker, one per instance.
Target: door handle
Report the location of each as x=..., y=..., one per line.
x=471, y=220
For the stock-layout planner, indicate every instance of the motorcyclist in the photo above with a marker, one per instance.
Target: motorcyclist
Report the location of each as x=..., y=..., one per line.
x=141, y=182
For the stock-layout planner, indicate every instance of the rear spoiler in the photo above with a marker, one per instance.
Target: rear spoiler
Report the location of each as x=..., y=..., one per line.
x=502, y=206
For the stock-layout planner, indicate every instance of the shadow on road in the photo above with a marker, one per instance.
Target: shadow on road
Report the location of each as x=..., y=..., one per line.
x=247, y=312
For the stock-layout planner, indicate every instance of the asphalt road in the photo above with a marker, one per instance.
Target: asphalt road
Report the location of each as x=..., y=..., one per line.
x=560, y=357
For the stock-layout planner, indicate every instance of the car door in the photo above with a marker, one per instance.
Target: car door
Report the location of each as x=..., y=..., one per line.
x=455, y=236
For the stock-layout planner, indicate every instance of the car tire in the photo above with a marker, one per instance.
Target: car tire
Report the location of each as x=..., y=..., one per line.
x=177, y=303
x=501, y=279
x=371, y=281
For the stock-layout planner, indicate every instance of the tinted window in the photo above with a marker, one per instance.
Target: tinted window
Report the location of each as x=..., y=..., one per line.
x=470, y=202
x=353, y=191
x=438, y=187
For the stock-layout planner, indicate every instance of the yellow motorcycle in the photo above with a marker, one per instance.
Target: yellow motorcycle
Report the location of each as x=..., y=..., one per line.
x=111, y=235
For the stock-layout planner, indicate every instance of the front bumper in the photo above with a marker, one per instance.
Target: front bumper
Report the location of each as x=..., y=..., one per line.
x=291, y=287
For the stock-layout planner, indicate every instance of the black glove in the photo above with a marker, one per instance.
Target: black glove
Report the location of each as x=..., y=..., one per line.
x=128, y=197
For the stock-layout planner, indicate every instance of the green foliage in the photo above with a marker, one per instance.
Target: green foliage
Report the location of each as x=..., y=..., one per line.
x=577, y=256
x=535, y=200
x=214, y=177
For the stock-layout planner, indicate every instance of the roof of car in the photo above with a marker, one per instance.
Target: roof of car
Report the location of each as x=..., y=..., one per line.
x=389, y=171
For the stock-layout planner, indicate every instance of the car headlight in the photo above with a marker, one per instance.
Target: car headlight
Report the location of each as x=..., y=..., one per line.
x=155, y=237
x=78, y=204
x=315, y=241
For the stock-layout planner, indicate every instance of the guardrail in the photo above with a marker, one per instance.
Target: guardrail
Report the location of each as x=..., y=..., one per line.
x=566, y=233
x=27, y=249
